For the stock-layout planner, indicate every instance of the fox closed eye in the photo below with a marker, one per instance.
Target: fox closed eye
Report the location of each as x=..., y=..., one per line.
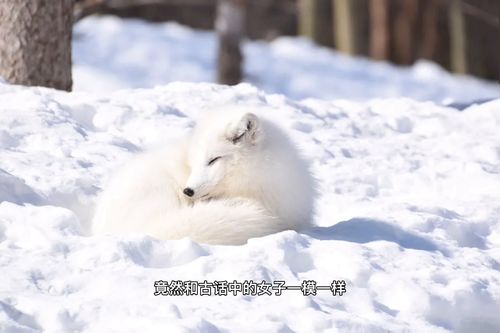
x=212, y=161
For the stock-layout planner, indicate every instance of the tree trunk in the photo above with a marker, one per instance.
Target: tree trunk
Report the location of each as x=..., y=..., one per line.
x=345, y=35
x=307, y=10
x=430, y=30
x=404, y=27
x=230, y=26
x=315, y=21
x=458, y=38
x=380, y=33
x=35, y=42
x=361, y=10
x=323, y=23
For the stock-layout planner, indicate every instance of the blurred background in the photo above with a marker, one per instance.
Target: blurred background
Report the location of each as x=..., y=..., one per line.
x=327, y=49
x=461, y=35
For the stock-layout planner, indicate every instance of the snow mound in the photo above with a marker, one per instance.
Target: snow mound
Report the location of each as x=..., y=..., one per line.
x=408, y=216
x=15, y=190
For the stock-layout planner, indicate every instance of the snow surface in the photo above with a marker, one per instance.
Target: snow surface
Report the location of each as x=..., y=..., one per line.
x=111, y=53
x=408, y=216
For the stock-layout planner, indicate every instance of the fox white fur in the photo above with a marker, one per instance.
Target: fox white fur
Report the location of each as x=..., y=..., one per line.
x=247, y=177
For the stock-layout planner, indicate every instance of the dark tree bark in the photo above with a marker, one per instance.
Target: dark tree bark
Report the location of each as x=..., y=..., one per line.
x=35, y=42
x=323, y=23
x=230, y=26
x=404, y=28
x=429, y=30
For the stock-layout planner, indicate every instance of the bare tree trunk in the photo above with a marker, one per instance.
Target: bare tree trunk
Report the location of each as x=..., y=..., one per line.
x=35, y=42
x=458, y=38
x=404, y=27
x=323, y=23
x=315, y=21
x=498, y=44
x=230, y=26
x=379, y=11
x=497, y=48
x=430, y=29
x=307, y=10
x=345, y=36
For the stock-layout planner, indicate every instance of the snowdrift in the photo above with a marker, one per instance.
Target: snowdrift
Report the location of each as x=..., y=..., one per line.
x=408, y=217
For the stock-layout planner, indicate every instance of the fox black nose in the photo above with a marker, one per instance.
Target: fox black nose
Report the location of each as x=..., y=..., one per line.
x=188, y=191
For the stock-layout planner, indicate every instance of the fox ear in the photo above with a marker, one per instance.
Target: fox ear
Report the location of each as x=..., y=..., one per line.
x=243, y=129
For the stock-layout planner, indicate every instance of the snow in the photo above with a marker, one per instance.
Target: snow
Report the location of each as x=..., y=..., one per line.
x=408, y=216
x=408, y=213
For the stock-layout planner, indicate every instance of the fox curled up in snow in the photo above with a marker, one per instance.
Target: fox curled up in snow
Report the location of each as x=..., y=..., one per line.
x=238, y=176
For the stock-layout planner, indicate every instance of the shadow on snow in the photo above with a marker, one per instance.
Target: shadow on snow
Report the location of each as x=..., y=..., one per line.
x=364, y=230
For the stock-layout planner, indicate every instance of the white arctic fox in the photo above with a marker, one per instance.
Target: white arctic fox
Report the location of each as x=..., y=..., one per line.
x=236, y=177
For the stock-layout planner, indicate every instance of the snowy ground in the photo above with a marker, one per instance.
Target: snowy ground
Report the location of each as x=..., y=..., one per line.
x=408, y=216
x=409, y=212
